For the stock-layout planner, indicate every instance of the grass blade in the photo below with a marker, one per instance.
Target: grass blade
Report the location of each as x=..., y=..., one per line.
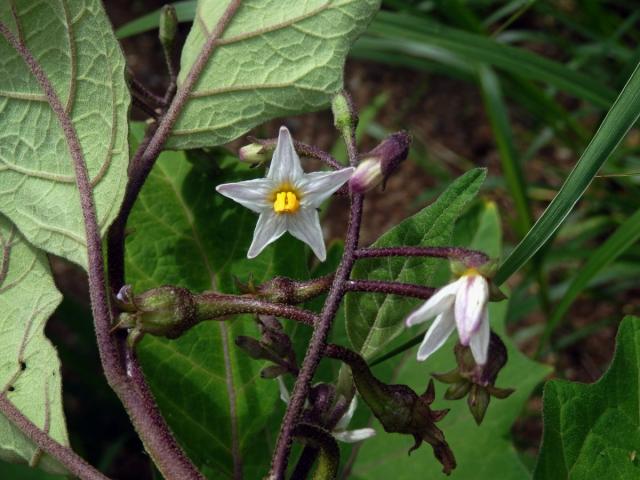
x=620, y=118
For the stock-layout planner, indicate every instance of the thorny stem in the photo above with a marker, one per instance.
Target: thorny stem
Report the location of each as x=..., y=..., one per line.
x=318, y=340
x=471, y=258
x=142, y=410
x=67, y=457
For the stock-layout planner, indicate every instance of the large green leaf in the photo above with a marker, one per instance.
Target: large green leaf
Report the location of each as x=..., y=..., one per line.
x=29, y=365
x=593, y=431
x=275, y=58
x=483, y=451
x=373, y=320
x=620, y=118
x=73, y=42
x=210, y=392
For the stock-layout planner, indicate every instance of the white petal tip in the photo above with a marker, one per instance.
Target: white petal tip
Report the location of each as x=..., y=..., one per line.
x=283, y=131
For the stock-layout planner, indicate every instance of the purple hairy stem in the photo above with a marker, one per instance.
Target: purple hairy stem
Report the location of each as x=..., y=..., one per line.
x=471, y=258
x=392, y=288
x=67, y=457
x=318, y=341
x=144, y=414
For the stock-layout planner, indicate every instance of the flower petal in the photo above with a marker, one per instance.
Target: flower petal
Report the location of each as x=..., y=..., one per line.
x=285, y=164
x=316, y=187
x=479, y=342
x=252, y=194
x=352, y=436
x=305, y=226
x=471, y=301
x=437, y=334
x=441, y=300
x=269, y=228
x=285, y=396
x=348, y=415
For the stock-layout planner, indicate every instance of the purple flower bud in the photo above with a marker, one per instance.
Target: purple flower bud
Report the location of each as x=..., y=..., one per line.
x=379, y=164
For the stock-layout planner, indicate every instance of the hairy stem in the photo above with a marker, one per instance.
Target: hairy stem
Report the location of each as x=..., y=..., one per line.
x=318, y=341
x=471, y=258
x=392, y=288
x=210, y=306
x=152, y=146
x=304, y=150
x=67, y=457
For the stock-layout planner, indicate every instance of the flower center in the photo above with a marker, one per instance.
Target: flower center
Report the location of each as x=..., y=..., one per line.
x=286, y=202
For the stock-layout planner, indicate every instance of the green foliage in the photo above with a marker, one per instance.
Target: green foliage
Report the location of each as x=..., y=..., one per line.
x=275, y=58
x=29, y=365
x=75, y=46
x=620, y=118
x=483, y=451
x=373, y=320
x=592, y=431
x=211, y=393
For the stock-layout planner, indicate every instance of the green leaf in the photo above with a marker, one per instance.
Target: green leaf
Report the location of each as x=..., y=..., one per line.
x=373, y=320
x=29, y=365
x=276, y=58
x=210, y=392
x=73, y=42
x=592, y=431
x=620, y=118
x=619, y=242
x=483, y=451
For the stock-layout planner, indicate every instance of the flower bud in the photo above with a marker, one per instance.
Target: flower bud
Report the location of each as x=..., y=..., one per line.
x=168, y=25
x=255, y=153
x=379, y=164
x=165, y=311
x=344, y=117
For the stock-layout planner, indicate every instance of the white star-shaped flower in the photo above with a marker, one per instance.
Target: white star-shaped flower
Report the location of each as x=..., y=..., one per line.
x=287, y=199
x=462, y=304
x=340, y=431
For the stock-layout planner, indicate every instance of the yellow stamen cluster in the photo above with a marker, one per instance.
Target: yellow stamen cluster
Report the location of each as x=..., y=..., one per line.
x=286, y=202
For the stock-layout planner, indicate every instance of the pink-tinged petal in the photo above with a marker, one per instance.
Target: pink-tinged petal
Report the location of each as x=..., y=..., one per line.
x=285, y=164
x=343, y=423
x=252, y=194
x=353, y=436
x=316, y=187
x=441, y=300
x=437, y=334
x=471, y=301
x=269, y=228
x=479, y=342
x=305, y=226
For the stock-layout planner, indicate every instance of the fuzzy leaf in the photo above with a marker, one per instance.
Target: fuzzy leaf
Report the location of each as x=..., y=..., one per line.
x=275, y=58
x=373, y=320
x=593, y=431
x=73, y=42
x=209, y=390
x=29, y=365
